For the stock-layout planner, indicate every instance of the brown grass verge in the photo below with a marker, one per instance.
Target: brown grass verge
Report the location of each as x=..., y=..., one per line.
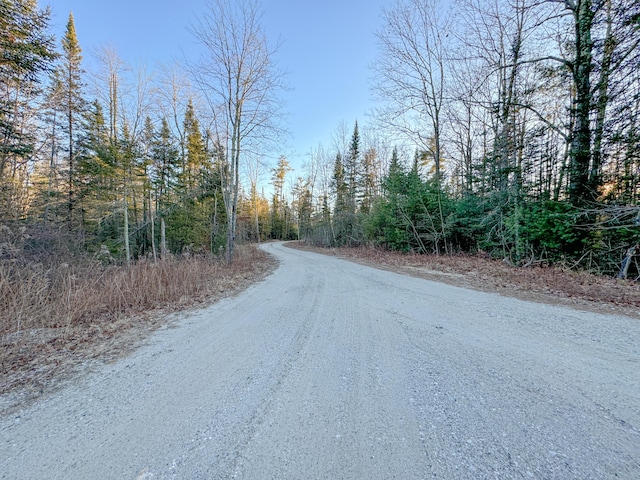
x=55, y=320
x=543, y=284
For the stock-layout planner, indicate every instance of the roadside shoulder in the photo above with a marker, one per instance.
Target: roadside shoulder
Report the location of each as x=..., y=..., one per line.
x=547, y=285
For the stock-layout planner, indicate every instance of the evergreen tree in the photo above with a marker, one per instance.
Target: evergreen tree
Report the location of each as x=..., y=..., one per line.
x=196, y=163
x=72, y=104
x=326, y=235
x=197, y=189
x=48, y=183
x=165, y=157
x=339, y=186
x=26, y=52
x=413, y=214
x=340, y=227
x=95, y=177
x=280, y=223
x=385, y=224
x=368, y=179
x=303, y=205
x=351, y=170
x=147, y=161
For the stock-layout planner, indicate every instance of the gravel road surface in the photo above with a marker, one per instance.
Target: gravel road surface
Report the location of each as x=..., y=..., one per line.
x=333, y=370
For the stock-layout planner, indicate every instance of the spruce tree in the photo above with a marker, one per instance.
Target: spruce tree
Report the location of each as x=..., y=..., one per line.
x=48, y=202
x=72, y=104
x=339, y=186
x=196, y=163
x=190, y=215
x=341, y=227
x=393, y=182
x=26, y=52
x=95, y=173
x=368, y=179
x=351, y=170
x=165, y=156
x=280, y=226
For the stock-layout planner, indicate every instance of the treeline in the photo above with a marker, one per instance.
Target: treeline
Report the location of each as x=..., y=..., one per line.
x=396, y=200
x=518, y=131
x=127, y=162
x=505, y=127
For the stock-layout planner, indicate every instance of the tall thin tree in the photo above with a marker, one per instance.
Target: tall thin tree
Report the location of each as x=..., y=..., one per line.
x=239, y=79
x=26, y=52
x=72, y=104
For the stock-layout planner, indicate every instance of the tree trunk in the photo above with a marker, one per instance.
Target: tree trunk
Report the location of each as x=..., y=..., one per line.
x=624, y=266
x=127, y=249
x=580, y=158
x=153, y=228
x=163, y=239
x=595, y=176
x=52, y=168
x=71, y=164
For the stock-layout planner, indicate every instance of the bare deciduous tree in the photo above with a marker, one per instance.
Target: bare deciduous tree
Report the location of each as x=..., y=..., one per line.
x=240, y=81
x=410, y=72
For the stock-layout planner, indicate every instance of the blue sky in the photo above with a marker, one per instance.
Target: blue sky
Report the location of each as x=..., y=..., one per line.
x=327, y=48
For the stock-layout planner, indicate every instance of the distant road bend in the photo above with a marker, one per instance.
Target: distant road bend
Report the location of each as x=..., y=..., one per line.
x=333, y=370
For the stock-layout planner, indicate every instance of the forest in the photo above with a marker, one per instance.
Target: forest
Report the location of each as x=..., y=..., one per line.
x=509, y=128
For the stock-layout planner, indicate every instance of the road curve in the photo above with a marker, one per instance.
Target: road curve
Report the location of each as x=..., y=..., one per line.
x=333, y=370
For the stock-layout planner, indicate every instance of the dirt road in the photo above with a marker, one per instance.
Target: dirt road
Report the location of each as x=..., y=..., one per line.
x=333, y=370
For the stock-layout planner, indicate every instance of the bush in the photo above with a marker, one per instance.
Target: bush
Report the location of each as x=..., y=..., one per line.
x=550, y=227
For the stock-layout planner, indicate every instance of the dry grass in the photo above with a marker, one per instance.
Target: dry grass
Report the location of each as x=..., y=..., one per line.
x=66, y=296
x=54, y=318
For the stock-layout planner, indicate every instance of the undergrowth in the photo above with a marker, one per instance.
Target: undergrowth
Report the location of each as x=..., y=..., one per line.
x=62, y=291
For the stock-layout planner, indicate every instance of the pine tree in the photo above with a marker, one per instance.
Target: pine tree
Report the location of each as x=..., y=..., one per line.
x=197, y=187
x=387, y=222
x=47, y=202
x=147, y=161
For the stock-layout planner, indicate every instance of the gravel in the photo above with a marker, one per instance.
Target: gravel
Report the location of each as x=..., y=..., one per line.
x=329, y=369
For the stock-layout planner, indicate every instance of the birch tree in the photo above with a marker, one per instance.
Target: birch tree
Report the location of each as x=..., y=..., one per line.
x=241, y=82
